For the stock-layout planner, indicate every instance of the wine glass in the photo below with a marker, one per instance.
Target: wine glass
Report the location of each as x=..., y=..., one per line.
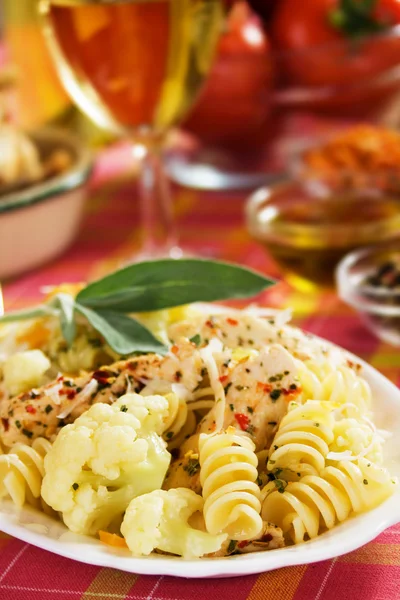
x=135, y=67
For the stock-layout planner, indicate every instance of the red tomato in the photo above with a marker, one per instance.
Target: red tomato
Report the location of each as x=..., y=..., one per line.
x=315, y=52
x=236, y=101
x=264, y=8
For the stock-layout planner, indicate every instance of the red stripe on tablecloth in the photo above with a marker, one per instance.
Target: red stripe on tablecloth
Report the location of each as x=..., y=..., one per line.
x=36, y=568
x=166, y=588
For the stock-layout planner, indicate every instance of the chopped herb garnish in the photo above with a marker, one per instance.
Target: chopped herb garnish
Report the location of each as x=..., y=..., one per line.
x=203, y=372
x=272, y=422
x=75, y=486
x=239, y=387
x=124, y=408
x=169, y=435
x=280, y=485
x=48, y=409
x=232, y=546
x=28, y=433
x=226, y=388
x=250, y=410
x=18, y=424
x=275, y=394
x=293, y=386
x=192, y=467
x=196, y=339
x=316, y=424
x=365, y=481
x=232, y=407
x=286, y=372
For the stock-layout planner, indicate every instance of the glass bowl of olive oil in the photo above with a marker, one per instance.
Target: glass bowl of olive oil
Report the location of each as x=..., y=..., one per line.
x=308, y=234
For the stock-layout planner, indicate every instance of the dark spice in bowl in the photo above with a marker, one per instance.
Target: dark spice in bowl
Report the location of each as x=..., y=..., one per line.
x=369, y=280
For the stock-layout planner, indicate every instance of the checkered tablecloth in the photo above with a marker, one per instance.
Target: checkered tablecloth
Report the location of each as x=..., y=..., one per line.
x=212, y=224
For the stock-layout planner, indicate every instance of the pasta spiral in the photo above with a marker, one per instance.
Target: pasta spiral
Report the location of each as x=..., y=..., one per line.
x=181, y=422
x=228, y=474
x=21, y=473
x=302, y=441
x=305, y=507
x=322, y=380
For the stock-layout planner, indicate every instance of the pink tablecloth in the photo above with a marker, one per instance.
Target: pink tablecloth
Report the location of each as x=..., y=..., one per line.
x=211, y=223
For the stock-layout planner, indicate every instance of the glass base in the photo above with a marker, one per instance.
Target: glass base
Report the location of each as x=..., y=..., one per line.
x=211, y=169
x=144, y=255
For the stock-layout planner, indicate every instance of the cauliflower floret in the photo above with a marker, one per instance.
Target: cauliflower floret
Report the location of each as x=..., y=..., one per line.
x=160, y=520
x=99, y=463
x=152, y=411
x=24, y=370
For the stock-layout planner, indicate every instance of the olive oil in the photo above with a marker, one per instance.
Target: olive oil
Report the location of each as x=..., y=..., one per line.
x=308, y=236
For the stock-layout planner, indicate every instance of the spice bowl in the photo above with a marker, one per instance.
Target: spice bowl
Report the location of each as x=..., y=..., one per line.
x=307, y=234
x=369, y=281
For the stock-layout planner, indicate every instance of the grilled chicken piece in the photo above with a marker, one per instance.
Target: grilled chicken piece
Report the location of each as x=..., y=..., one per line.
x=257, y=392
x=247, y=331
x=270, y=538
x=41, y=412
x=184, y=470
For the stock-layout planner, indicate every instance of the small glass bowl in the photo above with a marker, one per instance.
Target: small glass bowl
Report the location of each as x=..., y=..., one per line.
x=307, y=235
x=379, y=307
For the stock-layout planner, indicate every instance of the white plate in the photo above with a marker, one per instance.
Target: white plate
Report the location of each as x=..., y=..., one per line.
x=36, y=528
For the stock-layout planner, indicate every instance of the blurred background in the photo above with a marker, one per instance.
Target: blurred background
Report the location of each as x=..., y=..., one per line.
x=294, y=105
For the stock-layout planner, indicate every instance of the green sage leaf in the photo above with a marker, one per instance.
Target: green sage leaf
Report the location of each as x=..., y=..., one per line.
x=123, y=334
x=165, y=283
x=67, y=316
x=42, y=310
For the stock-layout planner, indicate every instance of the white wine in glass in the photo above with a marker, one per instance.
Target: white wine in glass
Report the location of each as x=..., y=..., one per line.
x=135, y=67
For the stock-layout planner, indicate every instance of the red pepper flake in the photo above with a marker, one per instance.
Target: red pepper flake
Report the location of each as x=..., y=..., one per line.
x=266, y=388
x=178, y=376
x=60, y=378
x=71, y=394
x=243, y=421
x=223, y=378
x=31, y=409
x=210, y=324
x=243, y=544
x=103, y=376
x=175, y=349
x=6, y=424
x=291, y=393
x=232, y=321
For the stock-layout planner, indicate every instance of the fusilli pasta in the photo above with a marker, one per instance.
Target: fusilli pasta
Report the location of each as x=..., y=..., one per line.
x=317, y=502
x=302, y=440
x=228, y=474
x=21, y=474
x=323, y=380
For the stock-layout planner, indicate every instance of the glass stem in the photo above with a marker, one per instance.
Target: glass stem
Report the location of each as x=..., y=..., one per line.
x=156, y=208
